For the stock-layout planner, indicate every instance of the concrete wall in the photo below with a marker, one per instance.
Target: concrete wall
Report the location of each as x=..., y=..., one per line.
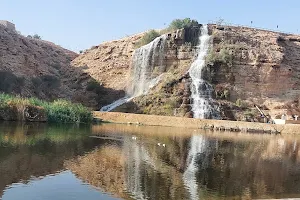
x=220, y=125
x=8, y=25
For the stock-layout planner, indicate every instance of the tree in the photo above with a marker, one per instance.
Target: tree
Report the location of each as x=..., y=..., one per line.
x=182, y=23
x=36, y=36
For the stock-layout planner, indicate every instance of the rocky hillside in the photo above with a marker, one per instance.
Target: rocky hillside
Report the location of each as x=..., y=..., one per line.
x=36, y=68
x=254, y=67
x=109, y=63
x=246, y=67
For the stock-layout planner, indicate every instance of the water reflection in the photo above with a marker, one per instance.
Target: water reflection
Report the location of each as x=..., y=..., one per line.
x=35, y=150
x=135, y=162
x=194, y=166
x=198, y=146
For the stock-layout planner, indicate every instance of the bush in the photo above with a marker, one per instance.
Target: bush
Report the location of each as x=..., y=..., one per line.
x=238, y=102
x=61, y=111
x=66, y=112
x=182, y=23
x=36, y=36
x=10, y=82
x=223, y=56
x=94, y=85
x=147, y=38
x=45, y=83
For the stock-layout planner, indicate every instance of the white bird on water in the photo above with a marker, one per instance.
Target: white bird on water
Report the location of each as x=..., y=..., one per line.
x=133, y=137
x=161, y=144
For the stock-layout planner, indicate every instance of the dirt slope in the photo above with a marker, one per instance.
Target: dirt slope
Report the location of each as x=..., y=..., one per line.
x=36, y=68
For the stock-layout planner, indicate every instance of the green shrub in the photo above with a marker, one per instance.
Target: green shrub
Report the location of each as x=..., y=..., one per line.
x=182, y=23
x=249, y=113
x=147, y=38
x=94, y=85
x=66, y=112
x=226, y=94
x=61, y=111
x=223, y=56
x=223, y=94
x=10, y=82
x=238, y=102
x=36, y=36
x=45, y=83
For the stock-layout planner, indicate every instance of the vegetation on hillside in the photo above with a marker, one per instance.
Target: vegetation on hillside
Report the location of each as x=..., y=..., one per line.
x=61, y=111
x=174, y=25
x=147, y=38
x=223, y=56
x=182, y=23
x=35, y=36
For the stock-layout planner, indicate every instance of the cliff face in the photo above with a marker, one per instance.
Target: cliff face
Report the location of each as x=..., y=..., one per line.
x=109, y=63
x=172, y=94
x=37, y=68
x=246, y=67
x=258, y=67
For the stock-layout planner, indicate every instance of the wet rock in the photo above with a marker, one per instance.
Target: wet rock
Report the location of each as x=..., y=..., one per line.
x=35, y=114
x=189, y=114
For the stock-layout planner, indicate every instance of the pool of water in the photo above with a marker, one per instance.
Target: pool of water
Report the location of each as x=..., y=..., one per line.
x=40, y=161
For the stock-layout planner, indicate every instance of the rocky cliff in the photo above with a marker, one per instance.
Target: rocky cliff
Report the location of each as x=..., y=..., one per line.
x=109, y=63
x=36, y=68
x=254, y=67
x=246, y=67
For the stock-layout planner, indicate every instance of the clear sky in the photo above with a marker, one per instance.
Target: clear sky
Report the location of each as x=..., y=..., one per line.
x=80, y=24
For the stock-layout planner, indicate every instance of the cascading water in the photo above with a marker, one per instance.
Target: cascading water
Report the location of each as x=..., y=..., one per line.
x=200, y=89
x=145, y=59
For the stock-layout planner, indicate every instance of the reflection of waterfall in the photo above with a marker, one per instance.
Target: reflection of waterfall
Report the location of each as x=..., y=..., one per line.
x=200, y=89
x=146, y=61
x=197, y=146
x=137, y=157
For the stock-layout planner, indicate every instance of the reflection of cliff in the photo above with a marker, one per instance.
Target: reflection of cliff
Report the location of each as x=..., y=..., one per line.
x=139, y=168
x=252, y=169
x=36, y=150
x=103, y=168
x=227, y=166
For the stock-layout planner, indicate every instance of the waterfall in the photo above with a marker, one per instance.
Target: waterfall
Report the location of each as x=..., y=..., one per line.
x=145, y=61
x=200, y=89
x=197, y=146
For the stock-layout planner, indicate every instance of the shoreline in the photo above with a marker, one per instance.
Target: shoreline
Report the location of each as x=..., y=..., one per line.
x=207, y=124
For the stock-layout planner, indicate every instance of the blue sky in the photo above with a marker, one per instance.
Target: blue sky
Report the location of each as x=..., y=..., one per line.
x=80, y=24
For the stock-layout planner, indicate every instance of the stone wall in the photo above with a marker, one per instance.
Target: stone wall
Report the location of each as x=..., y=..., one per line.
x=182, y=122
x=8, y=25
